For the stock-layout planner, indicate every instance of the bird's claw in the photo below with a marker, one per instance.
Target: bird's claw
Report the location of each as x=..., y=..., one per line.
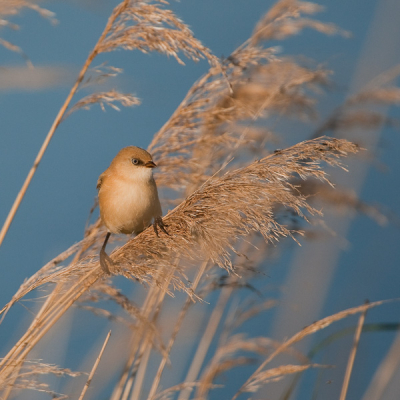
x=105, y=261
x=158, y=222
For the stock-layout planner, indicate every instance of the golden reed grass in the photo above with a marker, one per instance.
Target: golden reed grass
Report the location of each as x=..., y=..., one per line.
x=228, y=209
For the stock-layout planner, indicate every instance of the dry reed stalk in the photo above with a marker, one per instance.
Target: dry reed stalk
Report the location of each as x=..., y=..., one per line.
x=177, y=327
x=207, y=334
x=231, y=345
x=166, y=394
x=276, y=374
x=205, y=341
x=384, y=373
x=145, y=347
x=95, y=365
x=214, y=320
x=352, y=355
x=34, y=280
x=140, y=340
x=228, y=287
x=121, y=385
x=40, y=326
x=54, y=126
x=106, y=292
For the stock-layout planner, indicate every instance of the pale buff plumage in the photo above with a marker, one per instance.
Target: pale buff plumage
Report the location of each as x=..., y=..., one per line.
x=128, y=197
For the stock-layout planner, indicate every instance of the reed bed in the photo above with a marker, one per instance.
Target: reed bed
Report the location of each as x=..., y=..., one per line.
x=235, y=202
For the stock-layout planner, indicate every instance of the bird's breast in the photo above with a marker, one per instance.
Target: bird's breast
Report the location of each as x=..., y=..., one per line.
x=128, y=206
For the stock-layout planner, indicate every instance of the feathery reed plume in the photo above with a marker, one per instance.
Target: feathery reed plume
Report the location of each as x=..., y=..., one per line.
x=343, y=199
x=28, y=378
x=105, y=99
x=150, y=27
x=354, y=112
x=214, y=119
x=286, y=19
x=26, y=78
x=211, y=124
x=11, y=8
x=224, y=208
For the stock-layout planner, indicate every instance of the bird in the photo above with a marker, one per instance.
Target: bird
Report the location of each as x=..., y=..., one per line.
x=128, y=197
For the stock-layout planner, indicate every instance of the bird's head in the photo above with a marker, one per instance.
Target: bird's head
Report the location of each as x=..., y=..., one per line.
x=133, y=161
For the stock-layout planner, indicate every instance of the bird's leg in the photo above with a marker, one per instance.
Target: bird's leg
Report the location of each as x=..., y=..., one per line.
x=104, y=258
x=158, y=222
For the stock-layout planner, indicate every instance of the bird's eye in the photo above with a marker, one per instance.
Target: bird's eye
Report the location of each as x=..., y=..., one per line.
x=135, y=161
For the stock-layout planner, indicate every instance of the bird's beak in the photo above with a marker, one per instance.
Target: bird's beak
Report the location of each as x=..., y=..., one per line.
x=150, y=164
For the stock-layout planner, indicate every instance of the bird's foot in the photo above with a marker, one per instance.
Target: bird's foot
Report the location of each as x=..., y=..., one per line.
x=105, y=261
x=158, y=223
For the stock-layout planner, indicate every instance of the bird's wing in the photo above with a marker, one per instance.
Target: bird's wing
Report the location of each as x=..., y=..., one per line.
x=100, y=181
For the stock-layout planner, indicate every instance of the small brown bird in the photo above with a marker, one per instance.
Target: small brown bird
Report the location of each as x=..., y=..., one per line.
x=128, y=197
